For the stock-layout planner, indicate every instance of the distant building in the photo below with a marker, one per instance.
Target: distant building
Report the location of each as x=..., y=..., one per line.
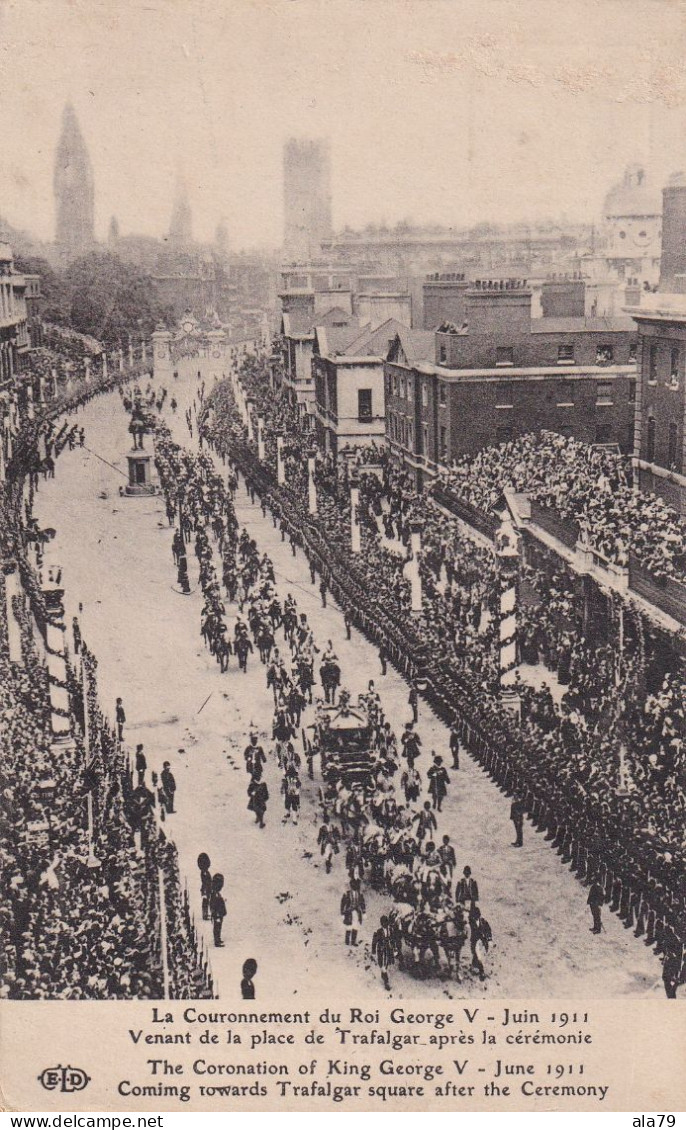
x=625, y=249
x=413, y=251
x=181, y=224
x=500, y=374
x=185, y=275
x=632, y=216
x=306, y=197
x=74, y=191
x=349, y=386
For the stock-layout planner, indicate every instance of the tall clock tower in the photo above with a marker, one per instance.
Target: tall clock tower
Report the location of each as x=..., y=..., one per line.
x=74, y=191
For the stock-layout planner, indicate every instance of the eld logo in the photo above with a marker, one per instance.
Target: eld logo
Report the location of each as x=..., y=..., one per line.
x=64, y=1078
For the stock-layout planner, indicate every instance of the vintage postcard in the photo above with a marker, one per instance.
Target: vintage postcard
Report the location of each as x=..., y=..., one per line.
x=343, y=543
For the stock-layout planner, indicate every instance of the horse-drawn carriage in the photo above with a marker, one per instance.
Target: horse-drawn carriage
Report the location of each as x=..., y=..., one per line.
x=343, y=739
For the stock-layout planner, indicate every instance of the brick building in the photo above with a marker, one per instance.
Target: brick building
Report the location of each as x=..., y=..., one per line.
x=501, y=374
x=660, y=430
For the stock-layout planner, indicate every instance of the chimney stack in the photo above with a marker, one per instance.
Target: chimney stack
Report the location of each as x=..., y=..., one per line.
x=673, y=260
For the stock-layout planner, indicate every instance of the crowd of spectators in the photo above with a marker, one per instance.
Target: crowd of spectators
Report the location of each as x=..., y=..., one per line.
x=590, y=486
x=83, y=860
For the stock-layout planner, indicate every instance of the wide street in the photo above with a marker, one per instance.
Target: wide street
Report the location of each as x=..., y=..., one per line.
x=283, y=909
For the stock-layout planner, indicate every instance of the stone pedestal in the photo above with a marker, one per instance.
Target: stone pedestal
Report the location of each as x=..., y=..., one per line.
x=140, y=473
x=510, y=699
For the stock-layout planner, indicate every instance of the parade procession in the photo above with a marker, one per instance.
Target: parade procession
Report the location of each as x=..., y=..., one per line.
x=343, y=589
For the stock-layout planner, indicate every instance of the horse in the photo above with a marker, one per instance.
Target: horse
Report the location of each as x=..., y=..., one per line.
x=452, y=934
x=421, y=934
x=305, y=677
x=222, y=652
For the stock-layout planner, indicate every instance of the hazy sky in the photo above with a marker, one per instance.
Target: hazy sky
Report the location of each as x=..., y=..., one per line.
x=437, y=110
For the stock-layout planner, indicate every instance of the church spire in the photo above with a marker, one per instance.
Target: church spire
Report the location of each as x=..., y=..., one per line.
x=181, y=226
x=74, y=190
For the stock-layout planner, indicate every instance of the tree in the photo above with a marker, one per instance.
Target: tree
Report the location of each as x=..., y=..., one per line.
x=55, y=300
x=110, y=299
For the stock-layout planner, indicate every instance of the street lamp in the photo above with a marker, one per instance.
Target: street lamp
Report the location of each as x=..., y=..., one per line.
x=311, y=484
x=280, y=467
x=355, y=538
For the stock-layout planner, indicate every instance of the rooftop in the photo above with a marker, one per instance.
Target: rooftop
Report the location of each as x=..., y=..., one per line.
x=634, y=195
x=581, y=325
x=659, y=307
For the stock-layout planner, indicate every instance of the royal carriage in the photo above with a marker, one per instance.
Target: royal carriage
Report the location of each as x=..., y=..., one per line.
x=342, y=737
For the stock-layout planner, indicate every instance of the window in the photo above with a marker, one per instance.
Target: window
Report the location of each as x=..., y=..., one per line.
x=565, y=354
x=441, y=394
x=566, y=394
x=674, y=359
x=504, y=355
x=425, y=394
x=672, y=451
x=425, y=439
x=504, y=395
x=503, y=434
x=442, y=444
x=650, y=440
x=632, y=393
x=442, y=355
x=364, y=403
x=633, y=352
x=604, y=355
x=603, y=433
x=603, y=393
x=652, y=367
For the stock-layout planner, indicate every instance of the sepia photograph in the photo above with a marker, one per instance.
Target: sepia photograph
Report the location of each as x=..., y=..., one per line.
x=343, y=509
